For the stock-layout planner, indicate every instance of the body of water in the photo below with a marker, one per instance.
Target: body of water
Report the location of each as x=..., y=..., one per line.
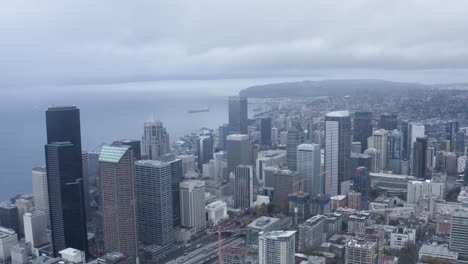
x=24, y=132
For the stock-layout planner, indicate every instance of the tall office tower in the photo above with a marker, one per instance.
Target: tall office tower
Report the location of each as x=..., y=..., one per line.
x=265, y=131
x=9, y=216
x=204, y=150
x=295, y=138
x=420, y=157
x=65, y=179
x=223, y=132
x=23, y=204
x=395, y=151
x=283, y=181
x=283, y=138
x=452, y=133
x=312, y=233
x=238, y=115
x=337, y=150
x=380, y=142
x=465, y=177
x=308, y=167
x=188, y=163
x=406, y=146
x=450, y=164
x=93, y=167
x=116, y=181
x=239, y=151
x=375, y=157
x=360, y=251
x=8, y=238
x=269, y=158
x=243, y=187
x=35, y=228
x=155, y=141
x=361, y=184
x=415, y=130
x=362, y=128
x=39, y=190
x=135, y=145
x=87, y=197
x=176, y=178
x=460, y=143
x=192, y=204
x=358, y=160
x=459, y=231
x=154, y=202
x=276, y=247
x=388, y=122
x=274, y=137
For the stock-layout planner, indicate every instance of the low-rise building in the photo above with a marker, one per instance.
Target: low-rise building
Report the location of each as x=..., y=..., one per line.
x=402, y=236
x=338, y=201
x=216, y=212
x=440, y=252
x=312, y=232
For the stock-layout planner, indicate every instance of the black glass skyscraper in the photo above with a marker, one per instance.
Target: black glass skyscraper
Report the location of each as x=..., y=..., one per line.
x=65, y=179
x=9, y=216
x=238, y=115
x=362, y=128
x=204, y=150
x=452, y=133
x=295, y=138
x=420, y=157
x=388, y=122
x=265, y=131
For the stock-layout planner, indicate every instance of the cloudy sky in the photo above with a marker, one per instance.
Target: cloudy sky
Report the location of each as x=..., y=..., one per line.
x=111, y=41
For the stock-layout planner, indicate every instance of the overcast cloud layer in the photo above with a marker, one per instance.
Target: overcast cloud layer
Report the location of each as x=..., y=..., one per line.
x=108, y=41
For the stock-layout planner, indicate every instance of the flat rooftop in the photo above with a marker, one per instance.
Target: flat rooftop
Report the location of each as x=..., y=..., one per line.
x=338, y=114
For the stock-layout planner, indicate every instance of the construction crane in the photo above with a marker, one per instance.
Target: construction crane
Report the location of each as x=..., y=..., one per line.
x=301, y=191
x=302, y=182
x=219, y=231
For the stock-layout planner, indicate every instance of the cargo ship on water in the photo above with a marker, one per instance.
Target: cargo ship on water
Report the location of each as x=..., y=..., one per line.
x=200, y=110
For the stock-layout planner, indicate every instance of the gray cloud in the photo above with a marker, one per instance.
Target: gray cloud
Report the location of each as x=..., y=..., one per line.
x=85, y=41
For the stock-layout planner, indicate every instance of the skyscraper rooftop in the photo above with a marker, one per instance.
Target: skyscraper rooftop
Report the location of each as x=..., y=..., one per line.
x=338, y=114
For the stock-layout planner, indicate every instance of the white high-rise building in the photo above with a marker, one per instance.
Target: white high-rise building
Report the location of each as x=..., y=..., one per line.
x=23, y=204
x=188, y=163
x=380, y=142
x=418, y=189
x=459, y=231
x=283, y=138
x=308, y=167
x=192, y=204
x=276, y=247
x=35, y=228
x=8, y=238
x=39, y=190
x=269, y=158
x=274, y=136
